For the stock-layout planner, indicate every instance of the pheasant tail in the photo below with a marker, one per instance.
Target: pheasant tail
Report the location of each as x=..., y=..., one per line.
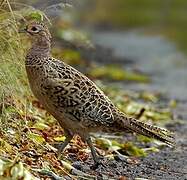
x=148, y=130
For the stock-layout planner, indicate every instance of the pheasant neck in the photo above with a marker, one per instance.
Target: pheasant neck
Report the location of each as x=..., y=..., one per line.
x=41, y=47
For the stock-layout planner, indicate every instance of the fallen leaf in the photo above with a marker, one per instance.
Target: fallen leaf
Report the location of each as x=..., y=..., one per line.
x=36, y=138
x=60, y=138
x=40, y=126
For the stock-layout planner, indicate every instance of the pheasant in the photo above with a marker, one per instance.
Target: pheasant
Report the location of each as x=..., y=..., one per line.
x=78, y=105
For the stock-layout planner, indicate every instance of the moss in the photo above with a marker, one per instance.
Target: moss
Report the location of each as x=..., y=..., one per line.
x=117, y=73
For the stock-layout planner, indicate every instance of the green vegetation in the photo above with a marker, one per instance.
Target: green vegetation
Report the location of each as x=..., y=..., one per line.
x=113, y=72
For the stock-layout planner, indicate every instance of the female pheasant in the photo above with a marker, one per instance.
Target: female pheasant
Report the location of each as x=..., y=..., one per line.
x=75, y=101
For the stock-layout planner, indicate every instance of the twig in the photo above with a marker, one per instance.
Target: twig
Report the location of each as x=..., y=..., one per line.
x=75, y=171
x=49, y=173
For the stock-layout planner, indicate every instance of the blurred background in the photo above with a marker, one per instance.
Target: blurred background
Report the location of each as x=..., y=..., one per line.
x=149, y=33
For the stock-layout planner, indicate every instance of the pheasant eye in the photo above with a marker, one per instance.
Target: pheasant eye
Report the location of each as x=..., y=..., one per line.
x=34, y=28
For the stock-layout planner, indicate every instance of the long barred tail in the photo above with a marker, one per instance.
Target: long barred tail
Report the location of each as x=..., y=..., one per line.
x=148, y=130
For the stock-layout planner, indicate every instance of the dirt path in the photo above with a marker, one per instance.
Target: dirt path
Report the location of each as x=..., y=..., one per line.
x=168, y=164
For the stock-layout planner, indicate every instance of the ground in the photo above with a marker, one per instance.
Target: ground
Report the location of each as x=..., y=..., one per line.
x=168, y=164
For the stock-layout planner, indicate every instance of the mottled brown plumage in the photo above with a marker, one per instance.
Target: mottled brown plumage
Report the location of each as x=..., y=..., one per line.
x=74, y=100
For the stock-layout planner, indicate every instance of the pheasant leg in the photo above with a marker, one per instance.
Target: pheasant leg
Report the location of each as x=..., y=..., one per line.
x=65, y=143
x=95, y=157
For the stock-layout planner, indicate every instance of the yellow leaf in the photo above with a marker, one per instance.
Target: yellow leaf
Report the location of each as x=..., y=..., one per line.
x=40, y=126
x=103, y=142
x=60, y=138
x=133, y=150
x=5, y=146
x=36, y=138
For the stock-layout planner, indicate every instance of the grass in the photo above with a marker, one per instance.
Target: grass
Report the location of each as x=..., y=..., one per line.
x=12, y=55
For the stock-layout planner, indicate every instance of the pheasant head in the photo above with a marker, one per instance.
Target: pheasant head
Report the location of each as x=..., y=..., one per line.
x=40, y=37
